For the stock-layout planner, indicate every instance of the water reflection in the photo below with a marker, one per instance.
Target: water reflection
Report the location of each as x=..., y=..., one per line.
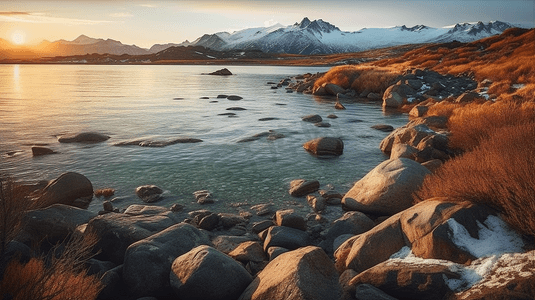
x=16, y=78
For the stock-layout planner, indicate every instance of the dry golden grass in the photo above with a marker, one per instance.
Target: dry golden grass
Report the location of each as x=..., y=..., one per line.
x=360, y=78
x=499, y=172
x=505, y=59
x=58, y=276
x=473, y=123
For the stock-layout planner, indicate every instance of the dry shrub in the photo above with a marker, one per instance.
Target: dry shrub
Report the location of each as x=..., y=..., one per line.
x=108, y=192
x=13, y=205
x=375, y=80
x=499, y=173
x=340, y=75
x=443, y=108
x=359, y=78
x=473, y=123
x=500, y=87
x=59, y=275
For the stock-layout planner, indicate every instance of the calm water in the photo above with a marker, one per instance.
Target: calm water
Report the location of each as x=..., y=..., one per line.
x=39, y=102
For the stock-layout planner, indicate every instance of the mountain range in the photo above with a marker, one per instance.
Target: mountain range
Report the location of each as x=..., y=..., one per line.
x=306, y=37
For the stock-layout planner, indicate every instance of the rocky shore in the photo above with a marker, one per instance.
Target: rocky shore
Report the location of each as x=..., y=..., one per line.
x=370, y=242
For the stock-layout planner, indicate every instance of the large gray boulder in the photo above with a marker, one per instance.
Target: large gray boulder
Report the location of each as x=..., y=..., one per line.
x=306, y=273
x=387, y=189
x=325, y=146
x=352, y=222
x=286, y=237
x=147, y=263
x=116, y=232
x=69, y=188
x=54, y=223
x=204, y=273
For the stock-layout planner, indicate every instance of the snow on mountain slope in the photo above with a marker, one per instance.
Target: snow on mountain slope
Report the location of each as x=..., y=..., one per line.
x=321, y=37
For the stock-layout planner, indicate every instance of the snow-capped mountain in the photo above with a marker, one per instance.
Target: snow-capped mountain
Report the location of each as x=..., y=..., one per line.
x=321, y=37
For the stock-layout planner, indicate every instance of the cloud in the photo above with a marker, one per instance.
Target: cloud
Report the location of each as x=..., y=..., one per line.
x=13, y=13
x=121, y=15
x=39, y=18
x=147, y=5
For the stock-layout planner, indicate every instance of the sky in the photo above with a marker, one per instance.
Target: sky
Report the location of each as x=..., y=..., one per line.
x=145, y=23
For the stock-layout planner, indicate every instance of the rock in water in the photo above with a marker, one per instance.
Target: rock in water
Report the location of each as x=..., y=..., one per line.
x=302, y=187
x=70, y=189
x=149, y=193
x=38, y=151
x=83, y=137
x=222, y=72
x=325, y=146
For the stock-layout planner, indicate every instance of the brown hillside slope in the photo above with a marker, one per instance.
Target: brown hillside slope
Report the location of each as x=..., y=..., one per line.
x=505, y=59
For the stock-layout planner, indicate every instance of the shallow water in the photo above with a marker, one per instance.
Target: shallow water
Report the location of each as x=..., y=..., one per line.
x=39, y=102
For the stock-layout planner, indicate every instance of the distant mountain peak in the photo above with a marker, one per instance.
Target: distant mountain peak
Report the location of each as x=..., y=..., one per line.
x=84, y=40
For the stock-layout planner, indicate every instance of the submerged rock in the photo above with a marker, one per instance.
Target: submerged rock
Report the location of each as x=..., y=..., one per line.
x=221, y=72
x=83, y=137
x=39, y=151
x=149, y=193
x=325, y=146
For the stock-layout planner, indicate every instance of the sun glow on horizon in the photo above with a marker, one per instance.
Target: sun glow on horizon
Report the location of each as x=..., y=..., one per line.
x=18, y=37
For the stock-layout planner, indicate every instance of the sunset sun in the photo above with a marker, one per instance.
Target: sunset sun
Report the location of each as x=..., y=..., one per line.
x=18, y=37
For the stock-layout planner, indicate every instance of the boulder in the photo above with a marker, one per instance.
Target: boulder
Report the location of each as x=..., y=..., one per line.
x=286, y=237
x=383, y=127
x=436, y=229
x=234, y=97
x=261, y=226
x=410, y=135
x=69, y=188
x=325, y=146
x=352, y=222
x=372, y=247
x=83, y=137
x=273, y=252
x=333, y=89
x=306, y=273
x=290, y=218
x=405, y=280
x=221, y=72
x=387, y=189
x=369, y=292
x=467, y=97
x=116, y=232
x=317, y=203
x=249, y=251
x=149, y=193
x=147, y=263
x=228, y=243
x=39, y=151
x=403, y=150
x=312, y=118
x=396, y=95
x=418, y=111
x=207, y=274
x=53, y=223
x=302, y=187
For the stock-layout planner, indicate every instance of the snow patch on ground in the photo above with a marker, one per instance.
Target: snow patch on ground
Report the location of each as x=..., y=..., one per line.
x=496, y=239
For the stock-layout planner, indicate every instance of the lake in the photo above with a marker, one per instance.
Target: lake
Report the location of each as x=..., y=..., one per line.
x=157, y=102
